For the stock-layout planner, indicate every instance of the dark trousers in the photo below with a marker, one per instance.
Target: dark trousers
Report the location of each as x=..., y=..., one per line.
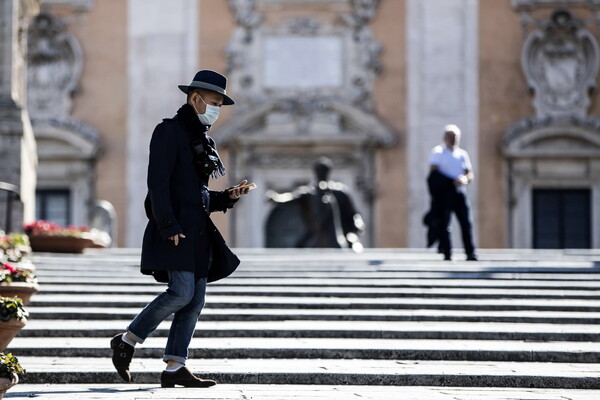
x=458, y=204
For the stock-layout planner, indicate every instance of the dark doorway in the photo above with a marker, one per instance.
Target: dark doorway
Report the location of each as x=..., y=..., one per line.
x=562, y=218
x=53, y=205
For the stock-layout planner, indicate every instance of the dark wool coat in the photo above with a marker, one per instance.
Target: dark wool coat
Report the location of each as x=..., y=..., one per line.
x=178, y=201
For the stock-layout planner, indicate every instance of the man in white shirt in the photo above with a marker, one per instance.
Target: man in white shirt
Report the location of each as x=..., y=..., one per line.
x=453, y=162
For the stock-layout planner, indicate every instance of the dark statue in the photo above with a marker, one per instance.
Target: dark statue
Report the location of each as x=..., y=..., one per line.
x=316, y=216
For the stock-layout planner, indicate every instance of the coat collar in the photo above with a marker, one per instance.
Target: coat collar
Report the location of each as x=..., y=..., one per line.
x=190, y=119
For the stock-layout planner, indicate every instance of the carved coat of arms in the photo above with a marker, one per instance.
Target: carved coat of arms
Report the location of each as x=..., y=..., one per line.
x=560, y=60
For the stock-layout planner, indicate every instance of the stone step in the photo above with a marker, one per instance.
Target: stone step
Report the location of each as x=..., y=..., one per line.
x=369, y=254
x=306, y=302
x=299, y=265
x=238, y=314
x=328, y=291
x=121, y=391
x=76, y=276
x=385, y=317
x=331, y=329
x=326, y=372
x=331, y=348
x=345, y=282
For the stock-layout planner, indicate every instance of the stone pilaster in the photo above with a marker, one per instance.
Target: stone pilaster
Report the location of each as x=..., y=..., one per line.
x=442, y=89
x=18, y=155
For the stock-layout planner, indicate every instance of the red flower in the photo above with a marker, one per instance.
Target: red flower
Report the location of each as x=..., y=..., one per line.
x=10, y=268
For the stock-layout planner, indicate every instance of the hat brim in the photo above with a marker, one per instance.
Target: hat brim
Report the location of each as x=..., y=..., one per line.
x=227, y=101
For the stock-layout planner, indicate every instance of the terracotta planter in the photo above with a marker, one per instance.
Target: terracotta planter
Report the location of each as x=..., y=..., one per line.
x=22, y=290
x=8, y=331
x=59, y=244
x=6, y=384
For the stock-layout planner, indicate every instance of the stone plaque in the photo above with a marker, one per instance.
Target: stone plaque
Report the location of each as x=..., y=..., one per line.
x=302, y=62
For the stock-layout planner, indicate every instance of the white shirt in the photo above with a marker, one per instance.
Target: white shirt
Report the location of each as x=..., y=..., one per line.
x=451, y=163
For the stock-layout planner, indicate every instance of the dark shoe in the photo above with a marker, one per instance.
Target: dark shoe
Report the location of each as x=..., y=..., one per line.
x=472, y=257
x=184, y=377
x=122, y=355
x=447, y=257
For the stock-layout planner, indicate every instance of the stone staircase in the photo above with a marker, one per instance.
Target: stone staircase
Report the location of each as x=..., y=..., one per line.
x=324, y=317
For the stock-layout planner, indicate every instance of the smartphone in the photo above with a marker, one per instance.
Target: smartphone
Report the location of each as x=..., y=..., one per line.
x=248, y=185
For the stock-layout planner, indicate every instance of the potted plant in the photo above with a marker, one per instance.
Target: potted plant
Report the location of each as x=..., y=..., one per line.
x=51, y=237
x=14, y=247
x=17, y=282
x=10, y=370
x=12, y=319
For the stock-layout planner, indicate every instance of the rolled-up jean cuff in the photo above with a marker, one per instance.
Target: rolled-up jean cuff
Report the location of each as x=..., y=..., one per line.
x=180, y=360
x=135, y=337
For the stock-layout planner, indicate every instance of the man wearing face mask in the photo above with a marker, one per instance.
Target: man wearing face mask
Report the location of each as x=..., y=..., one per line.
x=181, y=245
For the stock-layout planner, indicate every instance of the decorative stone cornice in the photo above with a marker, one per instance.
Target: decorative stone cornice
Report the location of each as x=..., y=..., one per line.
x=555, y=142
x=531, y=5
x=85, y=131
x=305, y=126
x=75, y=5
x=528, y=124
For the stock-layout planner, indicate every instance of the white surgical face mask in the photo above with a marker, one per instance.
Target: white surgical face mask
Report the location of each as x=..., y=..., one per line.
x=210, y=114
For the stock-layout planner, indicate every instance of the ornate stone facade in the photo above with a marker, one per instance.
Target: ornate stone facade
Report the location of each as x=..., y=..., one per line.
x=67, y=148
x=289, y=113
x=559, y=147
x=391, y=74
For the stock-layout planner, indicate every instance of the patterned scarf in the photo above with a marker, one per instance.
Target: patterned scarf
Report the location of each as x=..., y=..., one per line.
x=206, y=158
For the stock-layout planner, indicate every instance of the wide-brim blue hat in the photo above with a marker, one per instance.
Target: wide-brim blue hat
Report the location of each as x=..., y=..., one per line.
x=209, y=80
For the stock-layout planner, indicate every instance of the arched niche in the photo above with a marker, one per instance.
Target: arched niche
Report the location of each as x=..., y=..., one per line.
x=67, y=154
x=559, y=156
x=281, y=162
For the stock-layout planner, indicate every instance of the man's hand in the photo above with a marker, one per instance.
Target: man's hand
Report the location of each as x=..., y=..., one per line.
x=462, y=180
x=175, y=238
x=236, y=192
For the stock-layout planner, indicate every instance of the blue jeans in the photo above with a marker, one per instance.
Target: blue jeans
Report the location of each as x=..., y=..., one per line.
x=184, y=297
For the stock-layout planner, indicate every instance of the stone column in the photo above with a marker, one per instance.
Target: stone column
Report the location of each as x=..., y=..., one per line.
x=18, y=153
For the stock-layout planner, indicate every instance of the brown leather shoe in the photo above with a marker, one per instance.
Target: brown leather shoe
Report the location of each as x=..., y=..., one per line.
x=121, y=357
x=184, y=377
